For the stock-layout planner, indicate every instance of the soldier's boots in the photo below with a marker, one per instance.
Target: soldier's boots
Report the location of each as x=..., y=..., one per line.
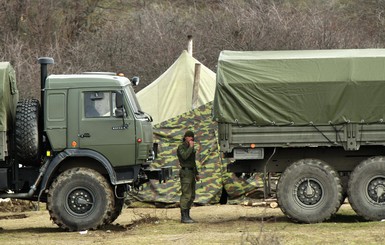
x=185, y=217
x=188, y=215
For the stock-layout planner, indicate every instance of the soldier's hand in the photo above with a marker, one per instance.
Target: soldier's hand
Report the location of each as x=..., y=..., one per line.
x=191, y=142
x=197, y=177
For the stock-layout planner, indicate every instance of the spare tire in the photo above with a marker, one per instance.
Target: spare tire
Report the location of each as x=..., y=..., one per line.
x=27, y=137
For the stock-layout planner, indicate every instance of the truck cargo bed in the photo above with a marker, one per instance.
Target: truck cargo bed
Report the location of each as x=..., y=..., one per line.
x=349, y=136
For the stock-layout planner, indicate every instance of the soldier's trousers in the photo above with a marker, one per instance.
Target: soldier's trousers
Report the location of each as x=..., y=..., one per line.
x=187, y=182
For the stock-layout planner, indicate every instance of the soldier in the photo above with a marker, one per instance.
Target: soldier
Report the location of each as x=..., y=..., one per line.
x=188, y=175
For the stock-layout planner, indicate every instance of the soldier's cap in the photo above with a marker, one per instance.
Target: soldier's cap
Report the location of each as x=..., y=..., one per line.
x=188, y=133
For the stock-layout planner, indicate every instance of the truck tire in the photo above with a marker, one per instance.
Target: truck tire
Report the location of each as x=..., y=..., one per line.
x=367, y=189
x=27, y=136
x=118, y=206
x=80, y=199
x=116, y=211
x=309, y=191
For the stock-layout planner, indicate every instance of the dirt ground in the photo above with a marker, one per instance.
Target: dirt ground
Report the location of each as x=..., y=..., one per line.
x=216, y=224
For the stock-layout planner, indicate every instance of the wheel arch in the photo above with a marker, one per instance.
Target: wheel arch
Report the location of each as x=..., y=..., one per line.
x=69, y=158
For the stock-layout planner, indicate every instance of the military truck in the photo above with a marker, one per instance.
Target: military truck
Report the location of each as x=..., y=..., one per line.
x=80, y=149
x=315, y=118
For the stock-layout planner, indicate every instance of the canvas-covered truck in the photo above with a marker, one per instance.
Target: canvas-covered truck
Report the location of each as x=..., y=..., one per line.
x=315, y=118
x=80, y=150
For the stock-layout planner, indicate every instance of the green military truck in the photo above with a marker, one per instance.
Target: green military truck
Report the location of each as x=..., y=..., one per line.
x=80, y=151
x=313, y=117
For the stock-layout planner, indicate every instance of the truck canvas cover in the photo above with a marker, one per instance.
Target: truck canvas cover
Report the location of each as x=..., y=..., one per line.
x=304, y=87
x=8, y=95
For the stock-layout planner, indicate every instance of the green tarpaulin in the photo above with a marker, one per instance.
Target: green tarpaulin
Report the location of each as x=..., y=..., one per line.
x=8, y=95
x=8, y=101
x=300, y=87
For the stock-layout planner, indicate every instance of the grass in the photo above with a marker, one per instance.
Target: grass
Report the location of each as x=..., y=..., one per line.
x=345, y=228
x=226, y=224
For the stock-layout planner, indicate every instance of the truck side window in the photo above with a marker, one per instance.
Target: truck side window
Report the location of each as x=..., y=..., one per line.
x=97, y=104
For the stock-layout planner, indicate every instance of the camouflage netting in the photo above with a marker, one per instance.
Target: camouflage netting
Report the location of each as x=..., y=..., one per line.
x=211, y=166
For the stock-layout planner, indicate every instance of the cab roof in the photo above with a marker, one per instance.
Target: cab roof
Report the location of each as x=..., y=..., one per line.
x=86, y=80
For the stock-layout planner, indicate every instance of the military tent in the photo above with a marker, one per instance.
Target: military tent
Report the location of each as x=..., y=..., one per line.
x=171, y=94
x=212, y=168
x=169, y=128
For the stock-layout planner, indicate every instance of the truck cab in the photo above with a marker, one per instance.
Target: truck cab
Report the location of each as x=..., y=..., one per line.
x=100, y=113
x=81, y=149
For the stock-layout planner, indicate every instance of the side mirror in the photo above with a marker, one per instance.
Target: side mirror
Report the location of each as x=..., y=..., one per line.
x=119, y=99
x=119, y=111
x=135, y=81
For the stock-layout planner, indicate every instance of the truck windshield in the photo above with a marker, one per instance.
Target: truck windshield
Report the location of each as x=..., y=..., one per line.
x=132, y=98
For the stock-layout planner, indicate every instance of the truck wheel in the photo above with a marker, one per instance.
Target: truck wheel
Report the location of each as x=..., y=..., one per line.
x=80, y=199
x=309, y=191
x=27, y=139
x=116, y=211
x=118, y=207
x=367, y=189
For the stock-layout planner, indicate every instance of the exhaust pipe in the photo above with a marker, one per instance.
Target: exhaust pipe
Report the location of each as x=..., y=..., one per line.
x=43, y=61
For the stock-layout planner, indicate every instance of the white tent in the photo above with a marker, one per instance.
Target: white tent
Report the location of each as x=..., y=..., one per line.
x=171, y=94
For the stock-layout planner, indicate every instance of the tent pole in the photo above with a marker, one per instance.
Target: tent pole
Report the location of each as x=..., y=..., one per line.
x=190, y=45
x=197, y=79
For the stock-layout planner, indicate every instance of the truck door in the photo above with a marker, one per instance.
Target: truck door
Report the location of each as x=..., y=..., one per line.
x=104, y=128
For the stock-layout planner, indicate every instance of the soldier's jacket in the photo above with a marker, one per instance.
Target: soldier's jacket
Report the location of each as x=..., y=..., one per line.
x=212, y=168
x=186, y=156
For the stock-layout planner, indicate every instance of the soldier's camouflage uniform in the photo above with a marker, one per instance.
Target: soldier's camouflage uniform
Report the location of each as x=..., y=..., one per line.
x=188, y=172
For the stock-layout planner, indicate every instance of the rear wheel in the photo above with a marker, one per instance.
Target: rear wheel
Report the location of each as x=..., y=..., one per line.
x=309, y=191
x=367, y=189
x=80, y=199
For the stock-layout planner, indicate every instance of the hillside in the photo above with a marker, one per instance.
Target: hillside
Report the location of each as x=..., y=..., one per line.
x=144, y=37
